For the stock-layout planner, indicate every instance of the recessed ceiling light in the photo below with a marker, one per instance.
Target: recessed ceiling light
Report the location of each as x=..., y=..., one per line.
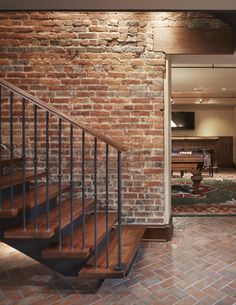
x=199, y=101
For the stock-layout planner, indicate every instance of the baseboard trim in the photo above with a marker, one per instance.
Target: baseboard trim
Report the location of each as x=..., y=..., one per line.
x=159, y=232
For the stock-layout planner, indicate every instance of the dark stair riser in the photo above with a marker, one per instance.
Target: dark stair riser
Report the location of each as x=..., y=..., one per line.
x=41, y=209
x=33, y=248
x=17, y=190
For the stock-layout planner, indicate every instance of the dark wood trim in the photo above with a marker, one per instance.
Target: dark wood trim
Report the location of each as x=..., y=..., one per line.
x=183, y=40
x=159, y=232
x=34, y=100
x=221, y=146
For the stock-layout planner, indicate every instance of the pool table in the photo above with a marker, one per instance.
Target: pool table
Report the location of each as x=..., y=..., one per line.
x=189, y=163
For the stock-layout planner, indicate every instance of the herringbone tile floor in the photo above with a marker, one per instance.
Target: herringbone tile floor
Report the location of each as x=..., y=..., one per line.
x=197, y=267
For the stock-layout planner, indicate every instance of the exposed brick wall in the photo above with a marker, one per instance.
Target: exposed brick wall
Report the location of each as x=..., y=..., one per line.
x=100, y=68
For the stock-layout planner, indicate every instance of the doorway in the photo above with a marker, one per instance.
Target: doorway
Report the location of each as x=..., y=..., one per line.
x=202, y=123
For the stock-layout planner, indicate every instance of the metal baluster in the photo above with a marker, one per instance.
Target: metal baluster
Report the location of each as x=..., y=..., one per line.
x=107, y=207
x=11, y=150
x=83, y=189
x=0, y=147
x=95, y=202
x=35, y=167
x=47, y=172
x=59, y=183
x=23, y=165
x=71, y=187
x=120, y=266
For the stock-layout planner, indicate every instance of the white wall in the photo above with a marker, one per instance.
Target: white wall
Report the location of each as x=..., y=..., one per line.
x=209, y=121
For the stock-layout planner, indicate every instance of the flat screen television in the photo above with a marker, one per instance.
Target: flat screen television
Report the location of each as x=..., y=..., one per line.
x=182, y=120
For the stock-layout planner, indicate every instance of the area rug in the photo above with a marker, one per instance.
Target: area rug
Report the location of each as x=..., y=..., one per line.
x=216, y=197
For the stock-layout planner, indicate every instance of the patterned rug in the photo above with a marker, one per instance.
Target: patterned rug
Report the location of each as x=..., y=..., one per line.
x=216, y=197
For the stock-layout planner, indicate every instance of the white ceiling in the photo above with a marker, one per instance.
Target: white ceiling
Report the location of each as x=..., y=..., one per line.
x=210, y=78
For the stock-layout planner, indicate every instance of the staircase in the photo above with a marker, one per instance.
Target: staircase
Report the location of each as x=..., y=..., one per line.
x=50, y=206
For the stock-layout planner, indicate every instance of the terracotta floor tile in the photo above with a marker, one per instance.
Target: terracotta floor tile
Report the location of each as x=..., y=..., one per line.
x=148, y=300
x=207, y=301
x=233, y=284
x=226, y=301
x=121, y=291
x=213, y=292
x=177, y=292
x=229, y=291
x=205, y=282
x=170, y=300
x=130, y=300
x=196, y=293
x=221, y=283
x=140, y=291
x=186, y=301
x=196, y=268
x=160, y=292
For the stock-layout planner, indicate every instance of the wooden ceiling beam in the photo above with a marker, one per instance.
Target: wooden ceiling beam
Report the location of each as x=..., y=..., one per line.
x=181, y=40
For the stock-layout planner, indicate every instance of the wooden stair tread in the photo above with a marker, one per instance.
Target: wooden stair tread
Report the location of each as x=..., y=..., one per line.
x=131, y=237
x=6, y=211
x=78, y=251
x=6, y=162
x=42, y=231
x=18, y=178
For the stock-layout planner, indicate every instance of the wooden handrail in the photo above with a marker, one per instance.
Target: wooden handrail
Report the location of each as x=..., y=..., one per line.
x=61, y=115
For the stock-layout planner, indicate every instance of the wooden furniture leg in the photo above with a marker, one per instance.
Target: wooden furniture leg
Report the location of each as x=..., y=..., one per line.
x=196, y=179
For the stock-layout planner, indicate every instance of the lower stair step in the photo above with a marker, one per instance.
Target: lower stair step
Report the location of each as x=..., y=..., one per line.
x=18, y=178
x=6, y=211
x=131, y=237
x=78, y=251
x=42, y=231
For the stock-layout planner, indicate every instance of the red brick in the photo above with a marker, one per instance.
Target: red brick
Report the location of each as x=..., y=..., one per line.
x=97, y=67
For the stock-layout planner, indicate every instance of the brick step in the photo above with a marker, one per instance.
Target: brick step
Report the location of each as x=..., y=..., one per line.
x=131, y=237
x=6, y=211
x=42, y=231
x=18, y=178
x=78, y=251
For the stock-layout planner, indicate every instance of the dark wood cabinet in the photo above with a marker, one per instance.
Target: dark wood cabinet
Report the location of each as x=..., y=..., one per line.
x=222, y=148
x=225, y=152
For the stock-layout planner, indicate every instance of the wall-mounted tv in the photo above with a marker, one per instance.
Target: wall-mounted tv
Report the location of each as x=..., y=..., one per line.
x=182, y=120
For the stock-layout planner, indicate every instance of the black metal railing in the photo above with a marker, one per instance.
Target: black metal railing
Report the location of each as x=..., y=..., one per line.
x=0, y=147
x=23, y=165
x=63, y=121
x=47, y=172
x=71, y=187
x=11, y=149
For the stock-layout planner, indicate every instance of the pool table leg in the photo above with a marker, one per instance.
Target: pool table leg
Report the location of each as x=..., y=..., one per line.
x=196, y=179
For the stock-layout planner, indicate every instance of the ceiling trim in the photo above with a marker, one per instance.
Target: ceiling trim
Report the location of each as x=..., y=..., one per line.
x=197, y=94
x=128, y=5
x=213, y=101
x=203, y=66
